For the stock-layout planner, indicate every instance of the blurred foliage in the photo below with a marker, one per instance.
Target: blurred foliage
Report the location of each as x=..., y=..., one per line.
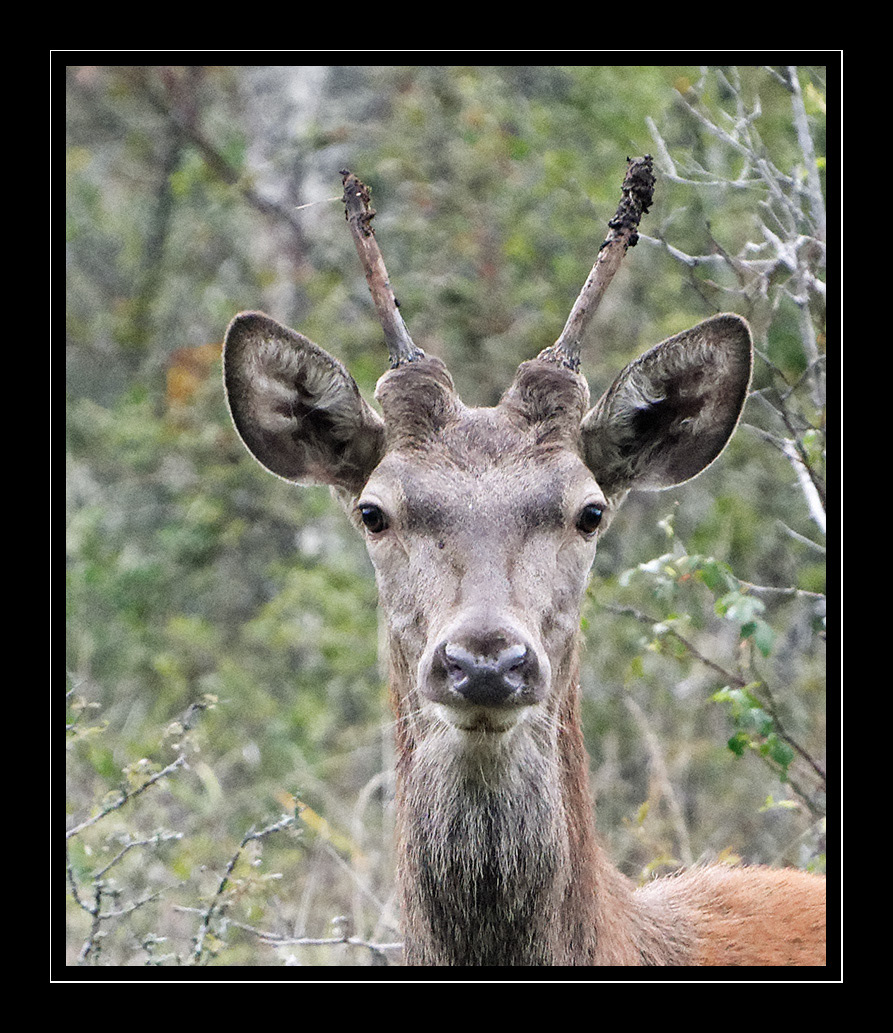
x=220, y=616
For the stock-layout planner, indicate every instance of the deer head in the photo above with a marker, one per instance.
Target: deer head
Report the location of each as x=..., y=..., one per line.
x=482, y=523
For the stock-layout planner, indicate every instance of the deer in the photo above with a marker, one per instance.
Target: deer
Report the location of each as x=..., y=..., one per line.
x=482, y=525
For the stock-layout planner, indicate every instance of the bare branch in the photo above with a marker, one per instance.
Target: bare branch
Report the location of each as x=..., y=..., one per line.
x=125, y=797
x=218, y=902
x=810, y=485
x=273, y=939
x=638, y=192
x=804, y=138
x=359, y=216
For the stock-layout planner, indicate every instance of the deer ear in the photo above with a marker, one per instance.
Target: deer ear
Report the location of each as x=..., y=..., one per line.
x=670, y=413
x=298, y=410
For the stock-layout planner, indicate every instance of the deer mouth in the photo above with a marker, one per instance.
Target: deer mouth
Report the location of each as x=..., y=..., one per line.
x=481, y=721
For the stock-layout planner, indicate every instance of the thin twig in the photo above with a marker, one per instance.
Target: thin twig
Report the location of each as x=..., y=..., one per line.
x=804, y=138
x=730, y=678
x=126, y=797
x=281, y=940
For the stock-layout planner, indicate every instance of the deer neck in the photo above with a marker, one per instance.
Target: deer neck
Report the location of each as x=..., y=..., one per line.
x=498, y=859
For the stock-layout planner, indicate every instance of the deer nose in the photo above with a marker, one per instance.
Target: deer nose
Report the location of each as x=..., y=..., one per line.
x=486, y=680
x=496, y=670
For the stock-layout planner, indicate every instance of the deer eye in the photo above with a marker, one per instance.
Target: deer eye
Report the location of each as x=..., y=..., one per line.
x=373, y=517
x=589, y=519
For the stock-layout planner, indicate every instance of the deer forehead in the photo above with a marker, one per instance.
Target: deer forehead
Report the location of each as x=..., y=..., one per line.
x=516, y=486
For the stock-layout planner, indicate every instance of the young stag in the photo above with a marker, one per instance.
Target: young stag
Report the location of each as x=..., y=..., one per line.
x=482, y=526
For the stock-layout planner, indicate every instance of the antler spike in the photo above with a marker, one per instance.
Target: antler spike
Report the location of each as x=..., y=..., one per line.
x=638, y=193
x=359, y=215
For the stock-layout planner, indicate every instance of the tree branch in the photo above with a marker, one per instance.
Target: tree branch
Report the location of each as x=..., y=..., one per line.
x=218, y=903
x=804, y=138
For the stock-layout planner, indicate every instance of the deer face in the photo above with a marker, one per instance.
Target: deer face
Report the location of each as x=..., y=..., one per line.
x=481, y=564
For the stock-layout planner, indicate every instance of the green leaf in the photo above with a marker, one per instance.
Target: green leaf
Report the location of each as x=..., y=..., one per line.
x=739, y=744
x=778, y=750
x=737, y=606
x=715, y=575
x=762, y=634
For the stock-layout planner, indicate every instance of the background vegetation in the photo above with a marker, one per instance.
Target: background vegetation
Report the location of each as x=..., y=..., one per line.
x=229, y=752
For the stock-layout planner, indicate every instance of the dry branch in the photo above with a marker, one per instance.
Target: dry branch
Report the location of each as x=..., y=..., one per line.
x=359, y=217
x=638, y=192
x=126, y=796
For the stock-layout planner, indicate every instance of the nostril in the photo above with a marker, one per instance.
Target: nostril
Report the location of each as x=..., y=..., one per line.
x=512, y=664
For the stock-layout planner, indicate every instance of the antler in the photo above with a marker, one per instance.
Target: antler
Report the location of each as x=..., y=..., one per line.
x=359, y=216
x=638, y=193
